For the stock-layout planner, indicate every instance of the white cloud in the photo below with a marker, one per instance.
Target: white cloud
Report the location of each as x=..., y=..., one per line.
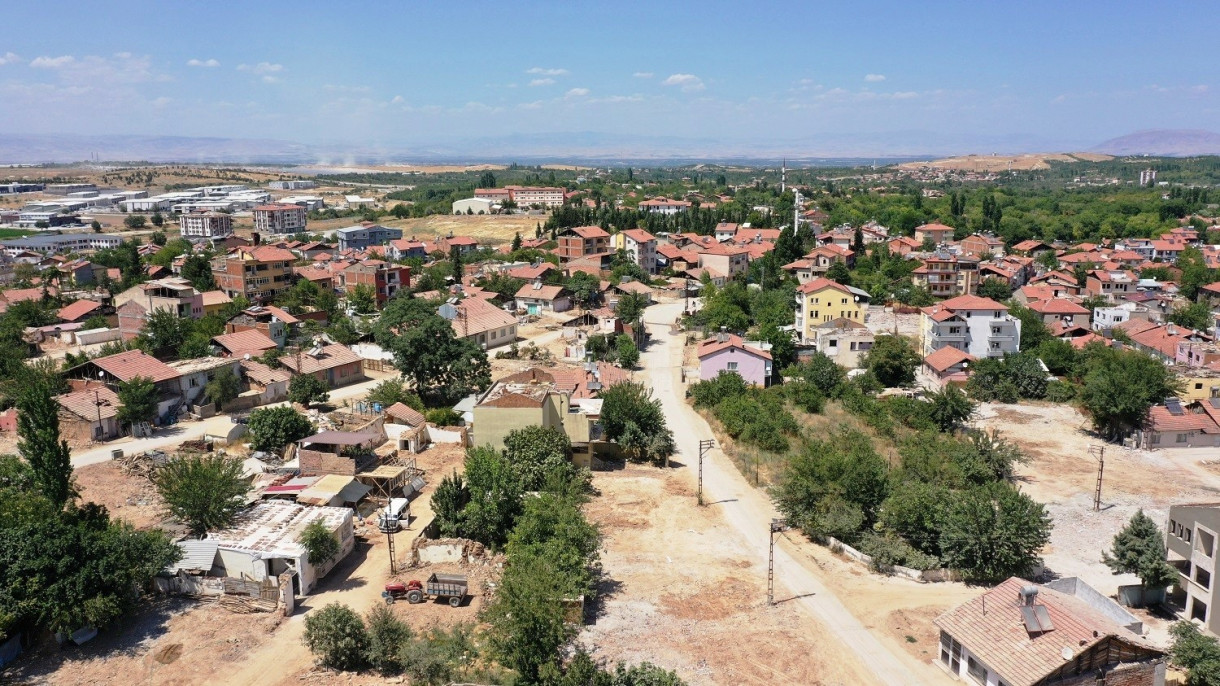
x=643, y=75
x=688, y=82
x=536, y=105
x=547, y=72
x=904, y=95
x=161, y=102
x=9, y=58
x=397, y=100
x=577, y=93
x=261, y=68
x=52, y=62
x=542, y=82
x=874, y=78
x=209, y=63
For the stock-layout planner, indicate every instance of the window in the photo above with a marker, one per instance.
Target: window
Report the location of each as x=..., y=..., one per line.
x=995, y=345
x=731, y=366
x=1198, y=386
x=1156, y=439
x=1181, y=438
x=953, y=330
x=976, y=670
x=951, y=653
x=1203, y=577
x=1206, y=543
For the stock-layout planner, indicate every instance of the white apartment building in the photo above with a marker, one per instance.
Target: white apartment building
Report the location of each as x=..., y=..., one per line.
x=279, y=218
x=978, y=326
x=206, y=225
x=543, y=195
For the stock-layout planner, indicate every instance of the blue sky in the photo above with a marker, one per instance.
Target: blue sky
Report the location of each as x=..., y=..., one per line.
x=411, y=73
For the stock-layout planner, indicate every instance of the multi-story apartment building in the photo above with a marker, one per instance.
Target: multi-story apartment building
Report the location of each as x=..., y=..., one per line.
x=582, y=241
x=937, y=233
x=979, y=245
x=981, y=327
x=946, y=276
x=1190, y=540
x=640, y=245
x=62, y=243
x=206, y=225
x=1110, y=283
x=279, y=218
x=256, y=273
x=546, y=196
x=725, y=259
x=821, y=300
x=137, y=303
x=384, y=278
x=366, y=235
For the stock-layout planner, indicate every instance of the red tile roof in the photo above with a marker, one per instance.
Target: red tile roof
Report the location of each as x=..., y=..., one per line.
x=947, y=357
x=89, y=403
x=822, y=283
x=78, y=310
x=408, y=414
x=714, y=345
x=544, y=292
x=972, y=302
x=638, y=235
x=128, y=365
x=1057, y=306
x=331, y=356
x=1160, y=420
x=991, y=628
x=477, y=316
x=250, y=340
x=589, y=231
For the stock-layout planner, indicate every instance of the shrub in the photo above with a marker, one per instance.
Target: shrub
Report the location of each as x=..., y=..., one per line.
x=889, y=551
x=711, y=392
x=273, y=428
x=386, y=635
x=821, y=371
x=320, y=543
x=336, y=635
x=444, y=416
x=1060, y=392
x=806, y=396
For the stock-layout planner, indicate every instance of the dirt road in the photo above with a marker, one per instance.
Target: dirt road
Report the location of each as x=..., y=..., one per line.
x=748, y=512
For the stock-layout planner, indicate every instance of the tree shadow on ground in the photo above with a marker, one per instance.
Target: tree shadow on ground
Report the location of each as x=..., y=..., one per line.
x=607, y=588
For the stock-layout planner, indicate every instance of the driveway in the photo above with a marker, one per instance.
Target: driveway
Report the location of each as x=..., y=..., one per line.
x=746, y=510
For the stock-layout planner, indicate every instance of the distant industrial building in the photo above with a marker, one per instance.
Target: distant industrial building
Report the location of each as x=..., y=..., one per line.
x=61, y=243
x=292, y=185
x=366, y=235
x=472, y=206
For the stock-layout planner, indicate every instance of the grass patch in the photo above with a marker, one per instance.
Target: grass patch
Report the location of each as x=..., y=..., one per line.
x=14, y=233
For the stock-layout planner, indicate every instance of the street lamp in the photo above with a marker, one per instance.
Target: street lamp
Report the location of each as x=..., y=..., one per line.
x=97, y=400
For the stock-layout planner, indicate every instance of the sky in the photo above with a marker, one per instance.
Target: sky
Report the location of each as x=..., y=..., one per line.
x=417, y=73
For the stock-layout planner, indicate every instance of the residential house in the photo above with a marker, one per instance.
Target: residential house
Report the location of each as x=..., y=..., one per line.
x=725, y=231
x=137, y=303
x=821, y=300
x=979, y=244
x=268, y=385
x=728, y=353
x=822, y=257
x=582, y=241
x=903, y=246
x=89, y=413
x=480, y=321
x=937, y=233
x=264, y=542
x=979, y=326
x=843, y=340
x=256, y=273
x=464, y=245
x=640, y=245
x=1019, y=634
x=245, y=342
x=522, y=400
x=79, y=311
x=664, y=206
x=538, y=297
x=729, y=260
x=214, y=302
x=945, y=275
x=335, y=364
x=1062, y=311
x=205, y=225
x=948, y=365
x=195, y=374
x=406, y=248
x=113, y=370
x=1032, y=248
x=269, y=320
x=279, y=218
x=384, y=278
x=1060, y=282
x=366, y=235
x=1110, y=283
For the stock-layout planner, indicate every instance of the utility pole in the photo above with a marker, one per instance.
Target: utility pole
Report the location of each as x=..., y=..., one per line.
x=704, y=446
x=777, y=526
x=390, y=524
x=1099, y=453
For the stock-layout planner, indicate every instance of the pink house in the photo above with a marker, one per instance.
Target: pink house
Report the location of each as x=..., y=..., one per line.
x=729, y=353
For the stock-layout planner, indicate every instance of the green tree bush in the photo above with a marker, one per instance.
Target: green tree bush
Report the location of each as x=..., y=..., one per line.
x=273, y=428
x=306, y=389
x=320, y=543
x=1139, y=549
x=204, y=492
x=336, y=635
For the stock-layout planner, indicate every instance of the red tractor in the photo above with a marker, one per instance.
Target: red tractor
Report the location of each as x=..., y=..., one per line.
x=451, y=586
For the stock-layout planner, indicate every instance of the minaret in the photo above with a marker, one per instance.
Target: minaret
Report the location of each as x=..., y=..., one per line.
x=783, y=176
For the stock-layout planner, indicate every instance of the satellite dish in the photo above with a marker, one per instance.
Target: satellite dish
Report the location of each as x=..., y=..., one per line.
x=247, y=357
x=1066, y=653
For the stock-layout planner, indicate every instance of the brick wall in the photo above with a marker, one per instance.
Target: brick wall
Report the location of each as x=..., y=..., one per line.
x=313, y=462
x=1130, y=674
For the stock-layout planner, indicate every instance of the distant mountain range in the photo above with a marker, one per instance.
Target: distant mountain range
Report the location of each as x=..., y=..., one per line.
x=1163, y=143
x=586, y=147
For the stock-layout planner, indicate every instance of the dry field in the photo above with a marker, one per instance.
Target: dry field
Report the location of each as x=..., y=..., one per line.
x=999, y=163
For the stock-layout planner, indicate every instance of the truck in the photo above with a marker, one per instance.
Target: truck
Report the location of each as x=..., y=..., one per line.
x=451, y=586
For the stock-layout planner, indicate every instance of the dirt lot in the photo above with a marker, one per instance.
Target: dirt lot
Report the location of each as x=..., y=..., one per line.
x=681, y=594
x=997, y=163
x=127, y=497
x=1063, y=475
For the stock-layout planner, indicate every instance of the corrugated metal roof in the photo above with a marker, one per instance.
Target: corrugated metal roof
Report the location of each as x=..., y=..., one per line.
x=197, y=555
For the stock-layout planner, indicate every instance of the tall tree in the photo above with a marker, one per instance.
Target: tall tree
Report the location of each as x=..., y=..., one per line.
x=139, y=400
x=1139, y=549
x=892, y=360
x=39, y=443
x=442, y=367
x=204, y=492
x=993, y=532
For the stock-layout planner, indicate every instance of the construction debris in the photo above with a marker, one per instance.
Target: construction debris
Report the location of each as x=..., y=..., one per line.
x=143, y=464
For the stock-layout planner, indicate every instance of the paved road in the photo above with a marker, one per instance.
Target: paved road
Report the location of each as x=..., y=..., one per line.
x=747, y=510
x=189, y=431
